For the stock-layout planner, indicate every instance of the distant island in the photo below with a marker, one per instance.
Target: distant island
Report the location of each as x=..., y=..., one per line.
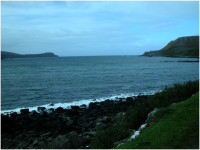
x=14, y=55
x=181, y=47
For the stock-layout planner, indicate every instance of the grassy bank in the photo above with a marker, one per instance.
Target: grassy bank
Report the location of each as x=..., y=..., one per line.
x=137, y=114
x=174, y=127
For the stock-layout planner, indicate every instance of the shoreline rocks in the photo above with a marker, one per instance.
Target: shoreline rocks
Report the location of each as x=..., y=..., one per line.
x=61, y=128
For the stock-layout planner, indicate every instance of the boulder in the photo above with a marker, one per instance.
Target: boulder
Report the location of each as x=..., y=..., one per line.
x=97, y=103
x=106, y=120
x=51, y=109
x=59, y=110
x=98, y=120
x=24, y=111
x=121, y=99
x=92, y=133
x=41, y=108
x=91, y=124
x=143, y=126
x=35, y=142
x=100, y=126
x=129, y=99
x=34, y=112
x=74, y=112
x=46, y=134
x=43, y=114
x=150, y=115
x=14, y=114
x=68, y=141
x=61, y=142
x=83, y=106
x=42, y=144
x=91, y=105
x=75, y=107
x=69, y=122
x=105, y=103
x=120, y=117
x=22, y=145
x=137, y=133
x=118, y=143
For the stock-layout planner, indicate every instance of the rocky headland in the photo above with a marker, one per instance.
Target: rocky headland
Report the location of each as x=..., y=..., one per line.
x=5, y=55
x=181, y=47
x=62, y=128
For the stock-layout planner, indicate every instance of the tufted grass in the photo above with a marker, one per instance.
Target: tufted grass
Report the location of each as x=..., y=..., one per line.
x=176, y=127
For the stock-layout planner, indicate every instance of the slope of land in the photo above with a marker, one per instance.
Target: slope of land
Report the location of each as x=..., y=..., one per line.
x=181, y=47
x=174, y=127
x=14, y=55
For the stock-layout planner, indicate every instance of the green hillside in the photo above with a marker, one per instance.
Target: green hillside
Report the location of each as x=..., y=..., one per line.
x=174, y=127
x=181, y=47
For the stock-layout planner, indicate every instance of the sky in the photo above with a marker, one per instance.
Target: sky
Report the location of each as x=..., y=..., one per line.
x=95, y=28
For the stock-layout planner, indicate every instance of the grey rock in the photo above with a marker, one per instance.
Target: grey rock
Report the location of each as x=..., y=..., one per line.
x=46, y=134
x=150, y=115
x=68, y=141
x=22, y=145
x=74, y=139
x=43, y=143
x=87, y=137
x=14, y=114
x=41, y=108
x=59, y=110
x=31, y=139
x=129, y=99
x=91, y=124
x=75, y=107
x=100, y=126
x=106, y=120
x=83, y=106
x=119, y=117
x=49, y=139
x=34, y=112
x=35, y=142
x=120, y=142
x=24, y=111
x=69, y=122
x=92, y=133
x=61, y=142
x=98, y=120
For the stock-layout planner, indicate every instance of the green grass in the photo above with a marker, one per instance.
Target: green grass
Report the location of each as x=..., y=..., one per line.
x=137, y=114
x=175, y=127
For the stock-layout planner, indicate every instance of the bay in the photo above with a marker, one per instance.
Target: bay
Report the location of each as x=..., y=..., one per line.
x=66, y=81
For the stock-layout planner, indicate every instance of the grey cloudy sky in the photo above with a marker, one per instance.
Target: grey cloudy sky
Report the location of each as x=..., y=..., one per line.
x=88, y=28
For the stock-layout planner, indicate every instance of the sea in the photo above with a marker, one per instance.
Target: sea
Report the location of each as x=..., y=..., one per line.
x=68, y=81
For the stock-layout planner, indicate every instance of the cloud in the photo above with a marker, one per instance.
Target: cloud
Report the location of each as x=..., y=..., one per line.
x=93, y=26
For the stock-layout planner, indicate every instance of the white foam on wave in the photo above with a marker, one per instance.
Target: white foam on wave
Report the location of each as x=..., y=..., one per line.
x=81, y=102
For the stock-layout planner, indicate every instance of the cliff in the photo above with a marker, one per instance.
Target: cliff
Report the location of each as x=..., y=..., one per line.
x=181, y=47
x=14, y=55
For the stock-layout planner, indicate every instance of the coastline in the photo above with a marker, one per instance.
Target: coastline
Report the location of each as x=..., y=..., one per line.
x=39, y=130
x=67, y=105
x=98, y=126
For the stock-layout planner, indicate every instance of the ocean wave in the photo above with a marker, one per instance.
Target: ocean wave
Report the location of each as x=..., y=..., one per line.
x=68, y=105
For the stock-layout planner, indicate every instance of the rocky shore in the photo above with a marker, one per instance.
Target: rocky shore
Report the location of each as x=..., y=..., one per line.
x=61, y=128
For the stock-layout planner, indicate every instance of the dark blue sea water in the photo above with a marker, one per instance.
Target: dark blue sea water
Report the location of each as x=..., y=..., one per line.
x=66, y=81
